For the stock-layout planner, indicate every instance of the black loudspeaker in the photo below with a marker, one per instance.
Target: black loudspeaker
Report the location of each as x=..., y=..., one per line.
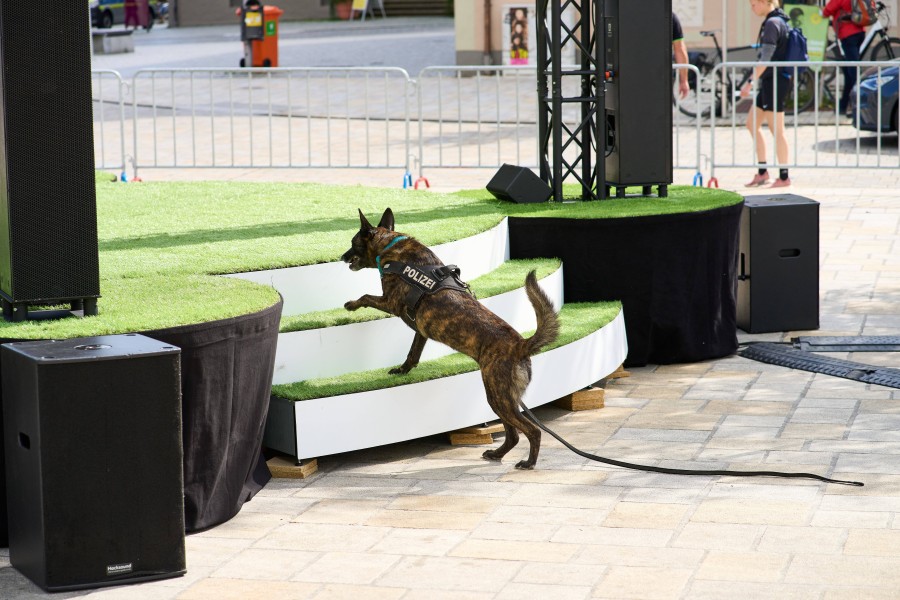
x=518, y=184
x=48, y=214
x=639, y=93
x=778, y=264
x=94, y=467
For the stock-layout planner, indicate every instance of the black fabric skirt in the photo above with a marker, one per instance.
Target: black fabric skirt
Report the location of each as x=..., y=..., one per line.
x=675, y=275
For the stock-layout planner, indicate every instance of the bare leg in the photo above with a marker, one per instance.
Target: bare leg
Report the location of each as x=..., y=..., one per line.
x=755, y=119
x=775, y=121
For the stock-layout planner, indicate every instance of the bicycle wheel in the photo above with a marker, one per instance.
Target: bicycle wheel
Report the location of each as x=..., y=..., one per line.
x=805, y=96
x=888, y=49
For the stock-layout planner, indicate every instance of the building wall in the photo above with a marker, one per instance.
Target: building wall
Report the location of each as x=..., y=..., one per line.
x=189, y=13
x=695, y=15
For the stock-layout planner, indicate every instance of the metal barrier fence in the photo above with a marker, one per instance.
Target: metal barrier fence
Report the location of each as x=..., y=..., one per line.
x=108, y=102
x=283, y=117
x=820, y=136
x=485, y=116
x=464, y=117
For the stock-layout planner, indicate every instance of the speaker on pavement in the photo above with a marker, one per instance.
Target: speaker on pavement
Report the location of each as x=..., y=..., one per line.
x=518, y=184
x=48, y=229
x=778, y=264
x=92, y=430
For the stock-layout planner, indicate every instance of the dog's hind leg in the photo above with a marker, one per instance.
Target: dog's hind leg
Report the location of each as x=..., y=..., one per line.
x=509, y=442
x=504, y=400
x=531, y=431
x=533, y=434
x=412, y=359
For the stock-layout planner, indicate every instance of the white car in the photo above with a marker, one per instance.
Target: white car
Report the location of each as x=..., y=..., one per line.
x=106, y=13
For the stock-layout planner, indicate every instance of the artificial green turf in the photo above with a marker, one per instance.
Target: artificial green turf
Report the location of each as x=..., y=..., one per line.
x=159, y=242
x=577, y=321
x=680, y=199
x=507, y=277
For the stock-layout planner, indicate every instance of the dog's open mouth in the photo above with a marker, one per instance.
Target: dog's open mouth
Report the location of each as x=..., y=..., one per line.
x=353, y=263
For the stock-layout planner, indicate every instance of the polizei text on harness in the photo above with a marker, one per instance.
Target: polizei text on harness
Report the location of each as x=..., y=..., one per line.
x=418, y=278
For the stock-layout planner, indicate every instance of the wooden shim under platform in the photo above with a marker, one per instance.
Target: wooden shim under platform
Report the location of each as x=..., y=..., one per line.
x=586, y=399
x=283, y=467
x=619, y=372
x=475, y=435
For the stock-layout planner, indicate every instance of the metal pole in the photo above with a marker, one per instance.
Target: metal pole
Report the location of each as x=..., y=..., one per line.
x=541, y=72
x=556, y=96
x=588, y=109
x=600, y=91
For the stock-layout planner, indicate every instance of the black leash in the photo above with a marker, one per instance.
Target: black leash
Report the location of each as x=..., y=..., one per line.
x=627, y=465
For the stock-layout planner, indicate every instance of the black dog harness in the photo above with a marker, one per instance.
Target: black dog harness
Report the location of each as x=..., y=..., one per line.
x=424, y=279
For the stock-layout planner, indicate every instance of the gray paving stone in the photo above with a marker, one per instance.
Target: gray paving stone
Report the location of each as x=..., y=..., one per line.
x=868, y=463
x=661, y=435
x=877, y=421
x=746, y=433
x=822, y=415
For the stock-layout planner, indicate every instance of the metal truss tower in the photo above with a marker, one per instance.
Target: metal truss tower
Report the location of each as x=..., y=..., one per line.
x=573, y=148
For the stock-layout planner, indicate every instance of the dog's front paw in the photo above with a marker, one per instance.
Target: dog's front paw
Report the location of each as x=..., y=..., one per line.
x=403, y=369
x=491, y=455
x=351, y=305
x=524, y=465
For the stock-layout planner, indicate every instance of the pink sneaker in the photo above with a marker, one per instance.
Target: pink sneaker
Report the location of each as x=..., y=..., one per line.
x=781, y=183
x=758, y=180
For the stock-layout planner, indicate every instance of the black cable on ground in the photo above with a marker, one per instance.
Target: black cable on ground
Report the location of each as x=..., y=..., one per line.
x=667, y=471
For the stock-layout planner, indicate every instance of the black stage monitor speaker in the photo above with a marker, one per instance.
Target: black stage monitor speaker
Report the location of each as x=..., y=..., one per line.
x=92, y=432
x=48, y=214
x=518, y=184
x=639, y=94
x=778, y=264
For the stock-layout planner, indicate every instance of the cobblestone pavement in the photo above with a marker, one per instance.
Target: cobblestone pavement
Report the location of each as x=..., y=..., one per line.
x=426, y=520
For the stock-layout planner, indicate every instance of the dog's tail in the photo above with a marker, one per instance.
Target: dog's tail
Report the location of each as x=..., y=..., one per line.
x=547, y=321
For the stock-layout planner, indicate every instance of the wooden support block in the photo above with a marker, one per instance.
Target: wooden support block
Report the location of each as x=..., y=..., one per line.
x=586, y=399
x=463, y=439
x=619, y=372
x=283, y=467
x=475, y=435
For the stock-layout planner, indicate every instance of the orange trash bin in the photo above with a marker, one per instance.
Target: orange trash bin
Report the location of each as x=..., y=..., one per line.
x=264, y=49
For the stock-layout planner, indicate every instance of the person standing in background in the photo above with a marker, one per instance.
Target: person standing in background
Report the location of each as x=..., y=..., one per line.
x=850, y=38
x=131, y=14
x=771, y=90
x=680, y=56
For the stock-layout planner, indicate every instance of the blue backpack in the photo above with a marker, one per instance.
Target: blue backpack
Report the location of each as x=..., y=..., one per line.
x=795, y=51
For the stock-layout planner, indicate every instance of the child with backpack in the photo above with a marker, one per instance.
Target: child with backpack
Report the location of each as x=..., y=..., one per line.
x=771, y=91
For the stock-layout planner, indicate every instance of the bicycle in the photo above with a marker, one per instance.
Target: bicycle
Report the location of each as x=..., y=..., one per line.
x=889, y=47
x=724, y=92
x=884, y=49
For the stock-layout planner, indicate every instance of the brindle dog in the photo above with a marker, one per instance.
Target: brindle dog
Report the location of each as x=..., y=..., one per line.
x=457, y=319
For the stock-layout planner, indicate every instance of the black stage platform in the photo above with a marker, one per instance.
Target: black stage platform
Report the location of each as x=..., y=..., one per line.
x=675, y=275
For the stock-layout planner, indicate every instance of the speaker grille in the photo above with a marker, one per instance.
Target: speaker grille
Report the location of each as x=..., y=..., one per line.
x=48, y=248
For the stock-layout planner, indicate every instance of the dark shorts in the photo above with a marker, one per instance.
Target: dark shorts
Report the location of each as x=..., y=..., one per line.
x=766, y=94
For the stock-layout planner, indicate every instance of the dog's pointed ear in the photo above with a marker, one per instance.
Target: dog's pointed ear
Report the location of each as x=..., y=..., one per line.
x=364, y=224
x=387, y=220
